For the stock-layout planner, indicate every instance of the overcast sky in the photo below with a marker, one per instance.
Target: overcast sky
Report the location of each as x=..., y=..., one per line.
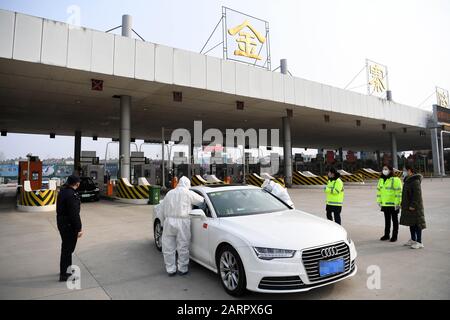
x=324, y=40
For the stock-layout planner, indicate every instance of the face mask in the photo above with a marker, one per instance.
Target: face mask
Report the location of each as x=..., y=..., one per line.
x=405, y=174
x=385, y=172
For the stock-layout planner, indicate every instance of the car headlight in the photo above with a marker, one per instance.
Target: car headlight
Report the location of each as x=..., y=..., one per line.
x=269, y=253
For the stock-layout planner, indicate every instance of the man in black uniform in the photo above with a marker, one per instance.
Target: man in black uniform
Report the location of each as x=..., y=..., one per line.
x=69, y=223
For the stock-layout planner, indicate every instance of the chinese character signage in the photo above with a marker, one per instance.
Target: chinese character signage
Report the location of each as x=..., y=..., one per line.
x=442, y=97
x=377, y=80
x=246, y=38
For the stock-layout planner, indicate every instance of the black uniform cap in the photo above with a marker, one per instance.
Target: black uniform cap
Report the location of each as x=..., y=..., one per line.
x=72, y=180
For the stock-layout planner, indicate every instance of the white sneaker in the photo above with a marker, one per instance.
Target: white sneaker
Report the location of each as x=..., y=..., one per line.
x=417, y=245
x=409, y=243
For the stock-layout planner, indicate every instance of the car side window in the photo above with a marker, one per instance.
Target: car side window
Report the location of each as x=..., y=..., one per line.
x=205, y=208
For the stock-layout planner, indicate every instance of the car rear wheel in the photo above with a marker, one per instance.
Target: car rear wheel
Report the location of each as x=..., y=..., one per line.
x=231, y=271
x=157, y=234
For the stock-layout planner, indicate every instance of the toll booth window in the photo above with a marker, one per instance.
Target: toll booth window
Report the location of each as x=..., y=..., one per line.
x=35, y=176
x=94, y=175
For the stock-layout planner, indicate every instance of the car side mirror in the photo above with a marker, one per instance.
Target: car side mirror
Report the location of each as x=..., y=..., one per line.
x=197, y=213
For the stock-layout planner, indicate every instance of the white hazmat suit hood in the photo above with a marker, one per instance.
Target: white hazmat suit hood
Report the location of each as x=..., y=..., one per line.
x=176, y=237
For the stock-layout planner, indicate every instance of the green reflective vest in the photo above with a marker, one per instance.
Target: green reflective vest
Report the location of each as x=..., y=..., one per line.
x=389, y=192
x=335, y=192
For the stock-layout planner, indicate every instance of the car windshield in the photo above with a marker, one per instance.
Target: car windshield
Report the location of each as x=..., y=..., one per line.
x=86, y=183
x=232, y=203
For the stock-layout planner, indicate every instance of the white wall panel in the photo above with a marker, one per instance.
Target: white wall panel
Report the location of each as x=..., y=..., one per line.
x=182, y=67
x=362, y=105
x=299, y=85
x=145, y=61
x=316, y=95
x=54, y=43
x=326, y=97
x=242, y=79
x=163, y=64
x=255, y=82
x=278, y=86
x=79, y=51
x=229, y=77
x=124, y=54
x=213, y=73
x=289, y=89
x=102, y=60
x=27, y=38
x=266, y=84
x=198, y=70
x=7, y=20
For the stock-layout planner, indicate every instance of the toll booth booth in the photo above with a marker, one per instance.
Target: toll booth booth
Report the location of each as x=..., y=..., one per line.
x=181, y=165
x=234, y=172
x=142, y=167
x=31, y=197
x=31, y=170
x=91, y=167
x=137, y=162
x=217, y=165
x=252, y=165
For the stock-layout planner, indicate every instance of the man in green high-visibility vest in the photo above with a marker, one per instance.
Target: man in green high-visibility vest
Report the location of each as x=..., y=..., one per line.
x=335, y=195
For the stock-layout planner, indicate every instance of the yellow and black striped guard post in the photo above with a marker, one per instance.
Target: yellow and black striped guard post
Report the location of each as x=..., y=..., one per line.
x=369, y=175
x=299, y=178
x=280, y=181
x=199, y=181
x=254, y=180
x=357, y=177
x=39, y=198
x=134, y=192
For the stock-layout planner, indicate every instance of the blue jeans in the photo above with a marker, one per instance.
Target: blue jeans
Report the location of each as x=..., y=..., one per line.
x=416, y=233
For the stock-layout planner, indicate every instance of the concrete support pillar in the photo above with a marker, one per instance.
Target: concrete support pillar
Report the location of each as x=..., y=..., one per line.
x=77, y=153
x=125, y=139
x=378, y=160
x=283, y=66
x=435, y=151
x=125, y=114
x=127, y=25
x=287, y=151
x=287, y=143
x=394, y=150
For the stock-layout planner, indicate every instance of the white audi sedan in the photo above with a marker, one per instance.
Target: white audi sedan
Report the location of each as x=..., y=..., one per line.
x=255, y=241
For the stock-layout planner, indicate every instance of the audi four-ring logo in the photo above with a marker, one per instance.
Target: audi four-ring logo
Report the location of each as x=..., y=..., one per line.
x=329, y=252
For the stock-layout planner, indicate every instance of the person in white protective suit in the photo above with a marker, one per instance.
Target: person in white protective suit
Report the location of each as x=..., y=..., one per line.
x=278, y=191
x=176, y=236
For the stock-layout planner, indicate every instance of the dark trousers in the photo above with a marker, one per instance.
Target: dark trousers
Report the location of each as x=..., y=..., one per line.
x=390, y=214
x=69, y=241
x=336, y=211
x=416, y=233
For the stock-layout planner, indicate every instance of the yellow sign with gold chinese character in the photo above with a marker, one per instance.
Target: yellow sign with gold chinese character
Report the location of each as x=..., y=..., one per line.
x=377, y=78
x=246, y=40
x=442, y=97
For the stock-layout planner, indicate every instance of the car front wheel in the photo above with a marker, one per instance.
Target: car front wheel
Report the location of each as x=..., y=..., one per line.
x=231, y=271
x=157, y=234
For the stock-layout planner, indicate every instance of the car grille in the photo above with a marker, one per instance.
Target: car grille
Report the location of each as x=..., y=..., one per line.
x=295, y=283
x=311, y=258
x=281, y=283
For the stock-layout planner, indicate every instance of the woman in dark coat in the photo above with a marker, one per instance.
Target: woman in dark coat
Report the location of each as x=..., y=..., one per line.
x=413, y=214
